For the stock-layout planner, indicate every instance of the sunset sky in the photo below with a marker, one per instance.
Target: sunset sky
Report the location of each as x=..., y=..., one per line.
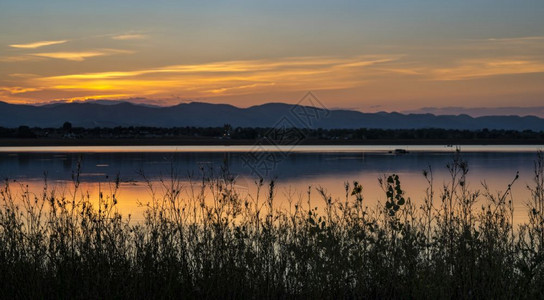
x=365, y=55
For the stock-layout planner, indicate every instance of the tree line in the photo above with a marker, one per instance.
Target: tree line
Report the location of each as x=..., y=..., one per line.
x=252, y=133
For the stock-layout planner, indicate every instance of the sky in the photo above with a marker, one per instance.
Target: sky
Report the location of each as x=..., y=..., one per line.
x=390, y=55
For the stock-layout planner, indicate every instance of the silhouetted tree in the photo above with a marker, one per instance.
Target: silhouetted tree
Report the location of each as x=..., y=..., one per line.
x=25, y=132
x=67, y=127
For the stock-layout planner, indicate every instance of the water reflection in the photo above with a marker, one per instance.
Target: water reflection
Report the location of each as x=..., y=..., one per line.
x=294, y=174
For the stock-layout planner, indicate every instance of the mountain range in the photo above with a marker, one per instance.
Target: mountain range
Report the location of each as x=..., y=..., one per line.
x=199, y=114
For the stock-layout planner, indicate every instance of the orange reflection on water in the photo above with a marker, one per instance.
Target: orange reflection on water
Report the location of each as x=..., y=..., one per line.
x=133, y=196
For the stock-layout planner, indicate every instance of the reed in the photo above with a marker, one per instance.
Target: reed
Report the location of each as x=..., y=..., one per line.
x=459, y=243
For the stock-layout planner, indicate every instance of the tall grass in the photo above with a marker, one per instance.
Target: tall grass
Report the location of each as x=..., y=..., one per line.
x=459, y=243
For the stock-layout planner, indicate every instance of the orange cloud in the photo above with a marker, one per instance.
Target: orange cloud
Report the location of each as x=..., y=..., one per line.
x=478, y=68
x=518, y=39
x=39, y=44
x=290, y=65
x=222, y=78
x=229, y=77
x=386, y=75
x=20, y=58
x=23, y=75
x=80, y=56
x=101, y=96
x=18, y=89
x=129, y=37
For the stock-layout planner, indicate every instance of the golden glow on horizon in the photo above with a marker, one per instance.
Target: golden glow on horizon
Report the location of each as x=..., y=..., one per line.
x=362, y=55
x=411, y=77
x=229, y=77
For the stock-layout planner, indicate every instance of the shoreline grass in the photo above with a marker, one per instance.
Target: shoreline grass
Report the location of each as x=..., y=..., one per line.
x=459, y=243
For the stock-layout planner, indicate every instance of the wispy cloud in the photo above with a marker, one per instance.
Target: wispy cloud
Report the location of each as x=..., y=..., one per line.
x=19, y=58
x=224, y=77
x=75, y=56
x=240, y=87
x=38, y=44
x=81, y=56
x=23, y=75
x=478, y=68
x=379, y=73
x=297, y=65
x=517, y=39
x=129, y=37
x=18, y=89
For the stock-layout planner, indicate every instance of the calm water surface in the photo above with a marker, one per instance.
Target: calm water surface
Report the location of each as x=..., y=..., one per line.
x=294, y=168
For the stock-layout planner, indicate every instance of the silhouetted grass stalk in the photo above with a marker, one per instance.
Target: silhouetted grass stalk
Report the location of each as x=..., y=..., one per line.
x=459, y=243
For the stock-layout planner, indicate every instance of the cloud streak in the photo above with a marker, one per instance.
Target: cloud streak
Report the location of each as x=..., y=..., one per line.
x=20, y=58
x=296, y=65
x=420, y=72
x=241, y=77
x=522, y=39
x=18, y=90
x=38, y=44
x=480, y=68
x=219, y=78
x=82, y=55
x=124, y=37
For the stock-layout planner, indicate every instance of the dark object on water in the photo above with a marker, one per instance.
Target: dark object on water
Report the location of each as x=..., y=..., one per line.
x=399, y=151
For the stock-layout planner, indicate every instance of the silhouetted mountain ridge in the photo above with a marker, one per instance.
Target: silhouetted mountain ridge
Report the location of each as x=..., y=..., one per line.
x=201, y=114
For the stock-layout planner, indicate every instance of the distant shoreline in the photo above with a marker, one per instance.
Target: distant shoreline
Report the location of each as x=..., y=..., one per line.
x=34, y=142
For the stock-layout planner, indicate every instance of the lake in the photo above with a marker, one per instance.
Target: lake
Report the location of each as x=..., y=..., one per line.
x=295, y=169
